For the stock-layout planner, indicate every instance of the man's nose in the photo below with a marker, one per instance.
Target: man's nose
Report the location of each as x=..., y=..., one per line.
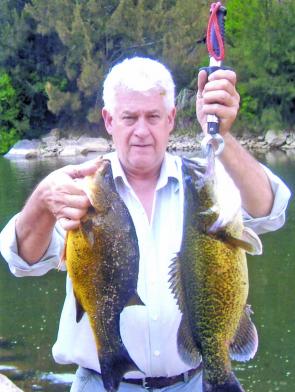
x=141, y=127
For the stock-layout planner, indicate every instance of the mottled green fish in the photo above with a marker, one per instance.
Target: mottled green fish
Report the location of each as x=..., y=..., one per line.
x=102, y=259
x=210, y=281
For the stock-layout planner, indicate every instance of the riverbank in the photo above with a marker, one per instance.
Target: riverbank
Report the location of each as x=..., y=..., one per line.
x=52, y=145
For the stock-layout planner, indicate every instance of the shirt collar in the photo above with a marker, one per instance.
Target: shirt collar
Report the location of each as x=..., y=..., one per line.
x=170, y=169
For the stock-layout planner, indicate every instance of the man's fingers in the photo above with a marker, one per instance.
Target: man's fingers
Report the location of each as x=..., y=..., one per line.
x=84, y=169
x=223, y=74
x=70, y=213
x=68, y=224
x=221, y=97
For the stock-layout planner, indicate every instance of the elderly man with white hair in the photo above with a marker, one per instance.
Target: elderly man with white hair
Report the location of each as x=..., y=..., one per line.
x=139, y=114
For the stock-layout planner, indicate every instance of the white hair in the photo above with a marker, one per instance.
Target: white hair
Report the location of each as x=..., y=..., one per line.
x=138, y=74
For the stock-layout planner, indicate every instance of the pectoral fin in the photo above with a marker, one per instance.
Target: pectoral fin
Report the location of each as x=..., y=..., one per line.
x=249, y=240
x=79, y=309
x=245, y=343
x=253, y=240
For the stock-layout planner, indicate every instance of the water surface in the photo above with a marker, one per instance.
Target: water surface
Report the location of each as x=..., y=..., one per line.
x=30, y=307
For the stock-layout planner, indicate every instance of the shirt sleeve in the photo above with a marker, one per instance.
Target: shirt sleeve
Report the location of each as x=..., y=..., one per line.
x=18, y=266
x=277, y=216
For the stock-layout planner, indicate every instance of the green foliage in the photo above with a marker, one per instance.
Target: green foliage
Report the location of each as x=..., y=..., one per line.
x=262, y=47
x=57, y=53
x=7, y=139
x=9, y=113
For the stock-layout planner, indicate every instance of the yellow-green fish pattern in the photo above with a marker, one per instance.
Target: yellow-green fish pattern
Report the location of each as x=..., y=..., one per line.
x=102, y=258
x=210, y=281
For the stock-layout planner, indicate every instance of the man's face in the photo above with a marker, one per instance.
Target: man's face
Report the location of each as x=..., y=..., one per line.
x=140, y=128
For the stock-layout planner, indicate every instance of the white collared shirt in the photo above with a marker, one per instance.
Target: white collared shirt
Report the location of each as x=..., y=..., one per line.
x=149, y=332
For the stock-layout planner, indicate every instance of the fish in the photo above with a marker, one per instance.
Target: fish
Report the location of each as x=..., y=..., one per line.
x=102, y=259
x=209, y=280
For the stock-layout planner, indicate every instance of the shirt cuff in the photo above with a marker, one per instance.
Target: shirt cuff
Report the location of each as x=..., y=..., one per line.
x=277, y=216
x=18, y=266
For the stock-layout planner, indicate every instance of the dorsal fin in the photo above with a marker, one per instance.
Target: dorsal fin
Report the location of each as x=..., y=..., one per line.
x=176, y=283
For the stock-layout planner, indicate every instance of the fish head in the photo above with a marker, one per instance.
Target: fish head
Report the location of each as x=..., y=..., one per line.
x=101, y=186
x=200, y=189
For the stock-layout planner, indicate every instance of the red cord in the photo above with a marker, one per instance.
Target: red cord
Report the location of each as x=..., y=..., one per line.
x=213, y=23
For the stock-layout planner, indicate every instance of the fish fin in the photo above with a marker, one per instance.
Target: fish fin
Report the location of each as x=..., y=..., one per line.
x=79, y=309
x=249, y=241
x=245, y=343
x=253, y=240
x=176, y=284
x=113, y=366
x=185, y=343
x=230, y=385
x=186, y=346
x=134, y=300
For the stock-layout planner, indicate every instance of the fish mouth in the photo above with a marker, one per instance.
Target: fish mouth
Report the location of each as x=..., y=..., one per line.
x=104, y=166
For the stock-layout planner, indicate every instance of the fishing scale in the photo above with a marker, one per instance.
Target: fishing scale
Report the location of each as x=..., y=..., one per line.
x=215, y=46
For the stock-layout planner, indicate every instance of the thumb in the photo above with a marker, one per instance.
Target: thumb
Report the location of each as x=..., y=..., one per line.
x=84, y=169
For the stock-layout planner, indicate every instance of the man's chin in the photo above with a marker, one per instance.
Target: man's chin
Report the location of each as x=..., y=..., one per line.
x=143, y=163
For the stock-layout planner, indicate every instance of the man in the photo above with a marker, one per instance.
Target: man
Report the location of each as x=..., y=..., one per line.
x=139, y=114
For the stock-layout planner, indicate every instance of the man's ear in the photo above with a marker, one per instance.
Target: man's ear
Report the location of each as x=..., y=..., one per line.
x=108, y=120
x=171, y=118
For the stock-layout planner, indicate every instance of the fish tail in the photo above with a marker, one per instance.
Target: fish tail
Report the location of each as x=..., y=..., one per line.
x=113, y=367
x=230, y=385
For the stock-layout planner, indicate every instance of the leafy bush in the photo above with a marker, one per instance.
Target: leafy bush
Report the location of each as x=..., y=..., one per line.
x=9, y=112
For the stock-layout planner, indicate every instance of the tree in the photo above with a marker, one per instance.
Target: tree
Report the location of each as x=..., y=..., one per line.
x=262, y=44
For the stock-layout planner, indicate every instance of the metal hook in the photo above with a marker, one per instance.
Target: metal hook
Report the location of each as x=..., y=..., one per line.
x=215, y=141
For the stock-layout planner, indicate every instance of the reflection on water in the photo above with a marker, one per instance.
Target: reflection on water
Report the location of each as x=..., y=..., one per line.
x=30, y=307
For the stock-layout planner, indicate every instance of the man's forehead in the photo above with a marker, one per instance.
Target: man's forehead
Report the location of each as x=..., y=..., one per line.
x=134, y=100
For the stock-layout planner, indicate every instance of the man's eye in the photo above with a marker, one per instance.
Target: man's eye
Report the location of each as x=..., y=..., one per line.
x=154, y=116
x=129, y=118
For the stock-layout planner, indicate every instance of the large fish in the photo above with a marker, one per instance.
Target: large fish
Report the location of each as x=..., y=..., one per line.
x=209, y=279
x=102, y=259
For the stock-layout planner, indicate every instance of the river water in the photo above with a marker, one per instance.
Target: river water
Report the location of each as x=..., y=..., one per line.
x=30, y=307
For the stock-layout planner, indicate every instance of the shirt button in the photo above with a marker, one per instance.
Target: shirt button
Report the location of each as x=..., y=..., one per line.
x=156, y=353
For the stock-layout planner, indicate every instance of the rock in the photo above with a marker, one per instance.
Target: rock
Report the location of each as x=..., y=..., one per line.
x=278, y=141
x=88, y=144
x=290, y=140
x=68, y=148
x=275, y=139
x=24, y=148
x=270, y=136
x=8, y=386
x=52, y=136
